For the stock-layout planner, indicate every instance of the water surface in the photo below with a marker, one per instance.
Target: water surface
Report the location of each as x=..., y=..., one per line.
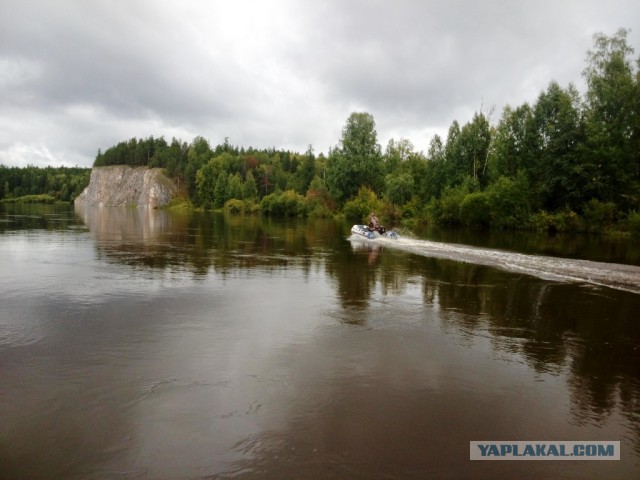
x=142, y=344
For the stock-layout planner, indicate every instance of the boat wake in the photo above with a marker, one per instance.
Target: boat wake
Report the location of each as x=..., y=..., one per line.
x=613, y=275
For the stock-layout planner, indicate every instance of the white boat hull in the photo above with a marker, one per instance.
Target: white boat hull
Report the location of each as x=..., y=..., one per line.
x=364, y=231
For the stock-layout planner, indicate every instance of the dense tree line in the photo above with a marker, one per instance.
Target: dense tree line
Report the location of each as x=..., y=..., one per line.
x=566, y=162
x=211, y=176
x=42, y=184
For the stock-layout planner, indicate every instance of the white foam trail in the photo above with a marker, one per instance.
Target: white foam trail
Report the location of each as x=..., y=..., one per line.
x=614, y=275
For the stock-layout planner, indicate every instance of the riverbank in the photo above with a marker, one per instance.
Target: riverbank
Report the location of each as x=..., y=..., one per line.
x=33, y=199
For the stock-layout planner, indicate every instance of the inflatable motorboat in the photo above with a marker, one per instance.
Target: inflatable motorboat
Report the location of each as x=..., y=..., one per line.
x=373, y=233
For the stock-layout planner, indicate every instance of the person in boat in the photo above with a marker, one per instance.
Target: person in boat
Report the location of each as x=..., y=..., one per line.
x=374, y=224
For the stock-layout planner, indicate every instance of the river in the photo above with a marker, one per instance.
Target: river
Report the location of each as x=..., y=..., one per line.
x=144, y=344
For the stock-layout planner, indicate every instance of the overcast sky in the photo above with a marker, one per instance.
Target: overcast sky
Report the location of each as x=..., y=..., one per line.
x=79, y=75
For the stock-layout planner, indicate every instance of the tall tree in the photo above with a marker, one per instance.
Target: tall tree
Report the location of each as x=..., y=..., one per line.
x=559, y=174
x=398, y=187
x=221, y=190
x=357, y=162
x=512, y=142
x=612, y=119
x=397, y=153
x=433, y=182
x=473, y=145
x=249, y=188
x=305, y=172
x=235, y=185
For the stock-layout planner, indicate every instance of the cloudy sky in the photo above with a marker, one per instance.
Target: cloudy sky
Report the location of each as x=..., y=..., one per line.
x=79, y=75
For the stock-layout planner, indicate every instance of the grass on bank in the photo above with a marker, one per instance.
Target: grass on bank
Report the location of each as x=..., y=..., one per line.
x=30, y=199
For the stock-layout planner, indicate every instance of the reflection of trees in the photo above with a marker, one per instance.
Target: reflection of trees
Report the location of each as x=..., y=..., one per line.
x=358, y=267
x=355, y=274
x=589, y=334
x=586, y=333
x=199, y=242
x=604, y=249
x=35, y=217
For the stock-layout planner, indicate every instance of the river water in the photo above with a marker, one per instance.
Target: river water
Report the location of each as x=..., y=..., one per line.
x=141, y=344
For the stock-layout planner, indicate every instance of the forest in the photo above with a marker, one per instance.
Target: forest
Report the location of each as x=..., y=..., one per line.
x=42, y=185
x=567, y=162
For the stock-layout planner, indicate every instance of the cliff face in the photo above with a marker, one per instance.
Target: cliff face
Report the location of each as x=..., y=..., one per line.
x=119, y=186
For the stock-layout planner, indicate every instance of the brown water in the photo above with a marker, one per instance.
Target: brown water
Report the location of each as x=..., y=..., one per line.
x=149, y=345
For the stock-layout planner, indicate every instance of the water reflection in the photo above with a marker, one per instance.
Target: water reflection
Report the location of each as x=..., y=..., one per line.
x=556, y=328
x=204, y=241
x=20, y=218
x=586, y=332
x=283, y=350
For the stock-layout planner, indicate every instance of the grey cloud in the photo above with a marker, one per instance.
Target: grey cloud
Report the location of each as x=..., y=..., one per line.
x=78, y=76
x=429, y=59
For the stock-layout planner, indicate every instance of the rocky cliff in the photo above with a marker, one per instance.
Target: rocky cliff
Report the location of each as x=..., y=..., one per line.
x=119, y=186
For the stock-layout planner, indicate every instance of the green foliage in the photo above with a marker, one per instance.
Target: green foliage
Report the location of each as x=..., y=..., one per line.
x=249, y=188
x=504, y=204
x=306, y=171
x=221, y=190
x=562, y=155
x=319, y=211
x=612, y=110
x=205, y=182
x=398, y=187
x=412, y=209
x=633, y=223
x=509, y=202
x=43, y=198
x=235, y=189
x=513, y=143
x=558, y=173
x=284, y=204
x=473, y=148
x=398, y=153
x=446, y=210
x=60, y=183
x=234, y=206
x=475, y=209
x=362, y=205
x=319, y=200
x=431, y=178
x=599, y=215
x=390, y=212
x=560, y=221
x=358, y=161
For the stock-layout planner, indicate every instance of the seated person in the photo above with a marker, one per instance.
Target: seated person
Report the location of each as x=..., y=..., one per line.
x=374, y=224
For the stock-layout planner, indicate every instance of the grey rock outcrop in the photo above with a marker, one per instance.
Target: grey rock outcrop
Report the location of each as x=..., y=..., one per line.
x=121, y=185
